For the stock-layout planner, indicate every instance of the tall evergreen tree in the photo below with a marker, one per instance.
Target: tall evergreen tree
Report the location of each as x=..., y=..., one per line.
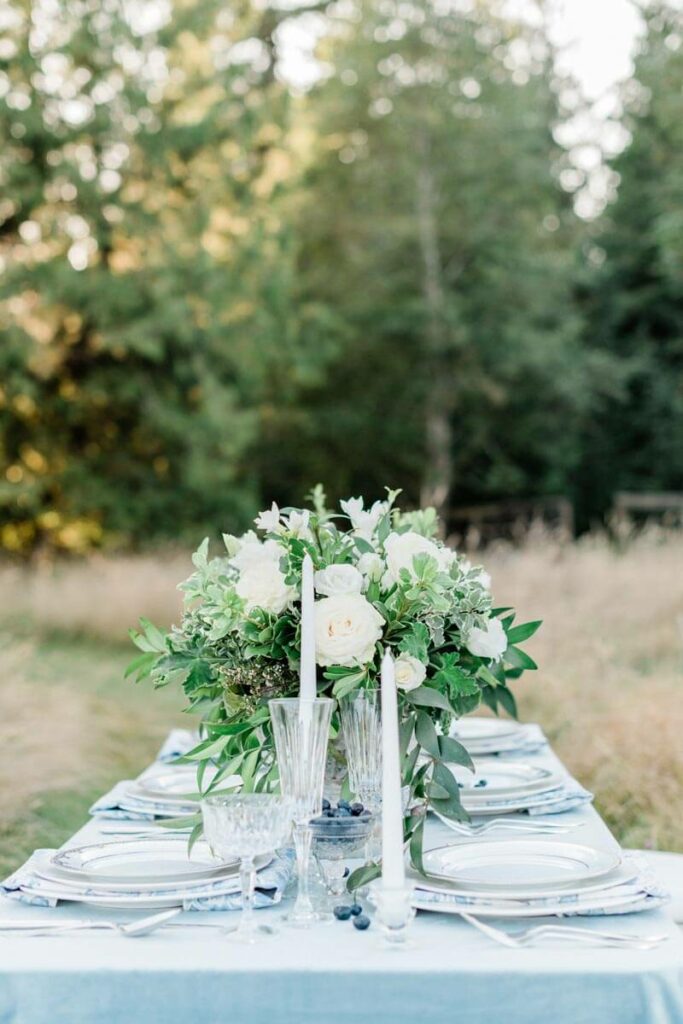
x=634, y=440
x=432, y=195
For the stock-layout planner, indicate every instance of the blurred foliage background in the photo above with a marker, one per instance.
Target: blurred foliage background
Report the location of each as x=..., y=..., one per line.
x=219, y=287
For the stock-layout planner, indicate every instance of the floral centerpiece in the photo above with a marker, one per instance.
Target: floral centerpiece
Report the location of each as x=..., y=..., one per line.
x=382, y=580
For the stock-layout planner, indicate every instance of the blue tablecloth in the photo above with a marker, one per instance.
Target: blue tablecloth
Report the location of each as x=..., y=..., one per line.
x=336, y=975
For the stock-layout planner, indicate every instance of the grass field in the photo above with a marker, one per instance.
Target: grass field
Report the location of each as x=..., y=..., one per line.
x=609, y=692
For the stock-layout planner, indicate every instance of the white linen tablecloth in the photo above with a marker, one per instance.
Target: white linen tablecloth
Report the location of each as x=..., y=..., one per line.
x=334, y=974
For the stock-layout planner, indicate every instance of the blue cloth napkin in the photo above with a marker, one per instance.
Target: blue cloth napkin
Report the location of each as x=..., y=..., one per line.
x=109, y=805
x=640, y=894
x=534, y=743
x=25, y=886
x=177, y=743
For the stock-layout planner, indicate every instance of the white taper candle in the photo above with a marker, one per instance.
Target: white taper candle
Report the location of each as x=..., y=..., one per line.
x=393, y=868
x=307, y=672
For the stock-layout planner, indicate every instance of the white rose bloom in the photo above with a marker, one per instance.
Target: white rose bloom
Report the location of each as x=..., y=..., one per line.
x=364, y=521
x=401, y=548
x=263, y=586
x=268, y=520
x=409, y=671
x=347, y=627
x=371, y=566
x=297, y=524
x=490, y=642
x=253, y=553
x=338, y=579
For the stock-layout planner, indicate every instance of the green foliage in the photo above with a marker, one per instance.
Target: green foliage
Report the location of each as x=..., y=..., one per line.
x=399, y=592
x=635, y=300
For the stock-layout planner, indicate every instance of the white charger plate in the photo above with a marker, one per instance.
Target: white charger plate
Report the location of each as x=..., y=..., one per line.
x=140, y=860
x=528, y=864
x=597, y=901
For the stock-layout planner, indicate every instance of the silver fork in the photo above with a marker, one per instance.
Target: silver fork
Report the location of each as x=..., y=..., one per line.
x=528, y=936
x=529, y=827
x=131, y=930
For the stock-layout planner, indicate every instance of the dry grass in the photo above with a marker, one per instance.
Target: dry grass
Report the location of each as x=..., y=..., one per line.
x=610, y=689
x=609, y=692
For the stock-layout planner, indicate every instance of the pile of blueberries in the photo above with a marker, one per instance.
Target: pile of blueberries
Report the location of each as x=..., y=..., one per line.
x=344, y=810
x=360, y=920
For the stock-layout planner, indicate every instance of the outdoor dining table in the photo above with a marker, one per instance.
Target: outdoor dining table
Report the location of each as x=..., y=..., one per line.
x=334, y=974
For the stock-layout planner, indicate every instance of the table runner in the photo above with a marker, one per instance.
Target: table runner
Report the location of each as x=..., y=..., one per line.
x=336, y=975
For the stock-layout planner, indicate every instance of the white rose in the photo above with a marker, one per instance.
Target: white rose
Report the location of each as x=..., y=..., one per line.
x=364, y=521
x=409, y=671
x=347, y=627
x=401, y=548
x=371, y=566
x=268, y=520
x=264, y=586
x=338, y=579
x=490, y=642
x=253, y=553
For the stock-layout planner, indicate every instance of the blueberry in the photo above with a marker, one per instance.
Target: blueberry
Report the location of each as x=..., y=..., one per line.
x=329, y=813
x=344, y=812
x=344, y=804
x=326, y=805
x=347, y=872
x=342, y=913
x=480, y=784
x=356, y=909
x=357, y=809
x=361, y=922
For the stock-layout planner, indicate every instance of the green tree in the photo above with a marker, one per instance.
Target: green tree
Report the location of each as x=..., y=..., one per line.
x=434, y=230
x=633, y=440
x=146, y=293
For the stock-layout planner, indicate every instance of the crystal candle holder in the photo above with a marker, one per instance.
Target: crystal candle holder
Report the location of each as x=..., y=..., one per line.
x=395, y=912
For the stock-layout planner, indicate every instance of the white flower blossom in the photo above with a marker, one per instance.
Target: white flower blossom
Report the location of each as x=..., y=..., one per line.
x=253, y=552
x=401, y=549
x=371, y=566
x=297, y=524
x=269, y=520
x=364, y=521
x=262, y=585
x=409, y=672
x=489, y=642
x=347, y=627
x=338, y=579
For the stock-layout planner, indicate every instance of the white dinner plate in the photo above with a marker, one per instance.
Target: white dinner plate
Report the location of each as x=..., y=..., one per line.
x=621, y=875
x=524, y=863
x=56, y=877
x=139, y=860
x=178, y=784
x=500, y=780
x=480, y=729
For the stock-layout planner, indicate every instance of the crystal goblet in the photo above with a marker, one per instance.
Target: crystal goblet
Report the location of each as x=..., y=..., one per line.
x=335, y=841
x=245, y=825
x=362, y=731
x=301, y=731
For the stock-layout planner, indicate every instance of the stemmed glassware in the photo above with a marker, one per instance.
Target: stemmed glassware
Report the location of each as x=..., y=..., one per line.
x=246, y=825
x=362, y=731
x=301, y=730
